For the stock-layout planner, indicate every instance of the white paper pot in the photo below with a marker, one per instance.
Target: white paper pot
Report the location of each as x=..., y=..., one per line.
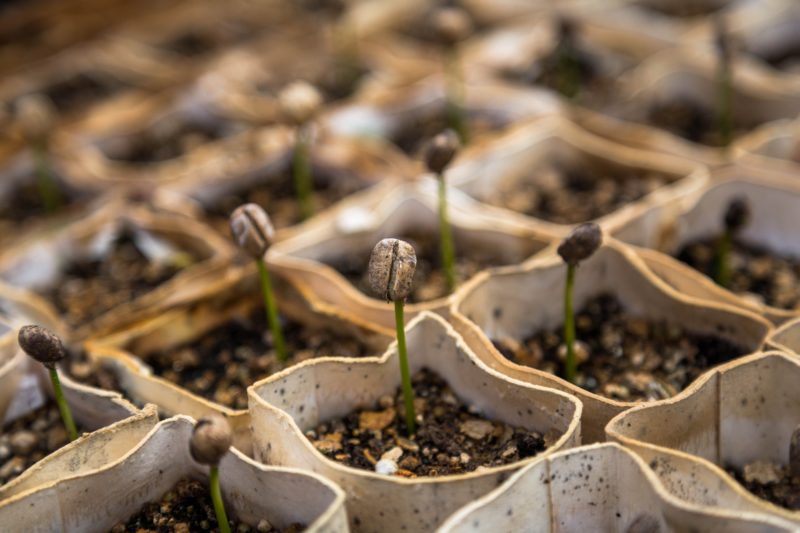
x=285, y=405
x=593, y=488
x=153, y=465
x=786, y=338
x=357, y=224
x=742, y=411
x=774, y=146
x=519, y=301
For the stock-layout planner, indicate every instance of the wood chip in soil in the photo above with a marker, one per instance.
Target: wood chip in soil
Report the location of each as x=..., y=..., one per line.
x=574, y=195
x=223, y=362
x=623, y=357
x=756, y=272
x=769, y=481
x=88, y=288
x=452, y=437
x=429, y=281
x=187, y=508
x=29, y=439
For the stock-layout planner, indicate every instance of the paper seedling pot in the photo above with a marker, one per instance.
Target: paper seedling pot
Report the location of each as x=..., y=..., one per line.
x=36, y=264
x=773, y=146
x=786, y=338
x=354, y=227
x=556, y=142
x=592, y=488
x=518, y=301
x=153, y=465
x=127, y=350
x=284, y=406
x=740, y=412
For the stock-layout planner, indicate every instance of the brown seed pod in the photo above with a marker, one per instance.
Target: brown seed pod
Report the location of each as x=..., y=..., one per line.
x=440, y=151
x=737, y=215
x=211, y=439
x=36, y=115
x=391, y=269
x=794, y=453
x=451, y=24
x=300, y=101
x=41, y=344
x=252, y=229
x=581, y=243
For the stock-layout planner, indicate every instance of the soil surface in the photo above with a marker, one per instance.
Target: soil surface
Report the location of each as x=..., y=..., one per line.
x=623, y=357
x=756, y=272
x=221, y=364
x=580, y=194
x=29, y=439
x=429, y=281
x=90, y=287
x=80, y=368
x=452, y=438
x=27, y=204
x=692, y=122
x=277, y=197
x=414, y=134
x=771, y=482
x=187, y=508
x=77, y=92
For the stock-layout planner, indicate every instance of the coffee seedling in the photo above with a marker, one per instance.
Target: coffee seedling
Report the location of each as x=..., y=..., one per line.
x=44, y=346
x=724, y=82
x=578, y=246
x=737, y=215
x=253, y=232
x=438, y=153
x=36, y=116
x=211, y=439
x=391, y=275
x=300, y=102
x=452, y=25
x=567, y=61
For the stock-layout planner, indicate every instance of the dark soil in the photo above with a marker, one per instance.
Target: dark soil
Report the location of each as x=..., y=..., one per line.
x=692, y=122
x=626, y=358
x=755, y=271
x=77, y=92
x=222, y=363
x=29, y=439
x=429, y=281
x=451, y=439
x=187, y=508
x=89, y=372
x=90, y=287
x=413, y=136
x=783, y=490
x=570, y=196
x=277, y=196
x=561, y=69
x=25, y=203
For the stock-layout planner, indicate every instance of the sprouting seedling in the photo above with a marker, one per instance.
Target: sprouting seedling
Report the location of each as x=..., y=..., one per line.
x=44, y=346
x=438, y=153
x=737, y=215
x=578, y=246
x=211, y=439
x=391, y=275
x=253, y=232
x=567, y=65
x=794, y=453
x=724, y=82
x=36, y=115
x=300, y=102
x=452, y=25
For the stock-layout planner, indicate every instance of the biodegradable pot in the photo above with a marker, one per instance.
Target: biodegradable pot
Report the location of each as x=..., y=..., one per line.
x=774, y=146
x=355, y=226
x=786, y=338
x=591, y=488
x=741, y=412
x=153, y=465
x=284, y=406
x=497, y=305
x=554, y=142
x=36, y=264
x=237, y=295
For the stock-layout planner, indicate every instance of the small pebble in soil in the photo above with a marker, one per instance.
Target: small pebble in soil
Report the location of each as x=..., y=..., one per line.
x=756, y=273
x=188, y=508
x=627, y=358
x=223, y=362
x=450, y=439
x=770, y=481
x=29, y=439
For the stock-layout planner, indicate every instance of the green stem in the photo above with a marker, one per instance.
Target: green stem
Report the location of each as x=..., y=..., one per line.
x=446, y=239
x=48, y=191
x=722, y=274
x=725, y=105
x=568, y=71
x=301, y=170
x=454, y=97
x=272, y=312
x=405, y=373
x=63, y=406
x=570, y=365
x=216, y=498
